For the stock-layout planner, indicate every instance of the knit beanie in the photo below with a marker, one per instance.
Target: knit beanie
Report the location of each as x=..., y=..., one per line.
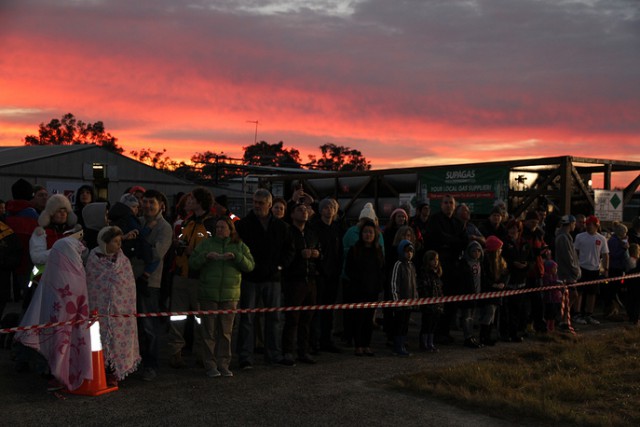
x=399, y=211
x=22, y=190
x=129, y=200
x=368, y=212
x=492, y=244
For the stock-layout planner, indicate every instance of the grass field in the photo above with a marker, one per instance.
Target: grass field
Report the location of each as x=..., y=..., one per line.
x=591, y=380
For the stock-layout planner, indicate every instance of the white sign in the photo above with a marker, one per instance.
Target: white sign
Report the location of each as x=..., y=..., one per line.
x=68, y=188
x=609, y=205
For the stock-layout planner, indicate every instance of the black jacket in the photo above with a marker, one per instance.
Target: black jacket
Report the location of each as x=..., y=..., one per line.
x=272, y=249
x=301, y=269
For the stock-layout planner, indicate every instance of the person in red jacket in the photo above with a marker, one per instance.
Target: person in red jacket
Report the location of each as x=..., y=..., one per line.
x=22, y=218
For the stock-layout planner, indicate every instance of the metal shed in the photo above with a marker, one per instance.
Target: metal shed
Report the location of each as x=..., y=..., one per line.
x=64, y=168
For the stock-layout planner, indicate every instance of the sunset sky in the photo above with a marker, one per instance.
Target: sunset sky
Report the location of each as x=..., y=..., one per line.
x=406, y=82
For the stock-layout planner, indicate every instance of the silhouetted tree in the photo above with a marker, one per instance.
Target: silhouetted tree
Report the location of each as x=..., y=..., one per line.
x=339, y=158
x=157, y=159
x=70, y=131
x=264, y=154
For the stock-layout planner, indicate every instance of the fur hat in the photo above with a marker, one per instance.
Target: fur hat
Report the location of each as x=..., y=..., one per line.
x=54, y=204
x=22, y=190
x=492, y=244
x=368, y=212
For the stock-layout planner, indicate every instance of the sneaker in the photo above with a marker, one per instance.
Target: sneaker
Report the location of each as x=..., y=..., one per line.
x=590, y=320
x=225, y=372
x=246, y=365
x=213, y=373
x=149, y=374
x=305, y=358
x=579, y=320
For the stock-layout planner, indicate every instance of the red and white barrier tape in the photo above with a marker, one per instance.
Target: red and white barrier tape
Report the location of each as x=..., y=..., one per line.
x=342, y=306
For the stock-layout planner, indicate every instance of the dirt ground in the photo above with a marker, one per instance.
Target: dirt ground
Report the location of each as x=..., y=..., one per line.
x=340, y=389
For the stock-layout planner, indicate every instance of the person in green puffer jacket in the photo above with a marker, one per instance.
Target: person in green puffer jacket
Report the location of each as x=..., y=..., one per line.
x=221, y=260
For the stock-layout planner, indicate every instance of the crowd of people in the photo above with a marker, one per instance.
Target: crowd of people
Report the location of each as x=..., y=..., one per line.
x=140, y=256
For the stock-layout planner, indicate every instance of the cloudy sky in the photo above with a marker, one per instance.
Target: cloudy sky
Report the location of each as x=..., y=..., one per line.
x=406, y=82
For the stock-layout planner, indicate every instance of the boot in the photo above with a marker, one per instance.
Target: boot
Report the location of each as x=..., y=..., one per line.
x=398, y=346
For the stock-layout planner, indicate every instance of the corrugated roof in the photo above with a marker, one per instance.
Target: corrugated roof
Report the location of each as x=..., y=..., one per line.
x=27, y=153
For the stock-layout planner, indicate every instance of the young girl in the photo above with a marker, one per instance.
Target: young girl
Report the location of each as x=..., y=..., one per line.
x=112, y=290
x=221, y=260
x=403, y=286
x=469, y=271
x=430, y=286
x=495, y=277
x=552, y=299
x=364, y=279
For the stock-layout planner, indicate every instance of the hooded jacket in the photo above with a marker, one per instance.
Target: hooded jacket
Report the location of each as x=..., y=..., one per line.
x=403, y=275
x=469, y=271
x=220, y=279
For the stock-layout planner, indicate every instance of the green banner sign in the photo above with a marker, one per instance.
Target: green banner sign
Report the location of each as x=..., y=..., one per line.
x=475, y=185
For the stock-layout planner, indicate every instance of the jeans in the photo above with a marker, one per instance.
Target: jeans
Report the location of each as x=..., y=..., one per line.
x=270, y=293
x=296, y=324
x=149, y=327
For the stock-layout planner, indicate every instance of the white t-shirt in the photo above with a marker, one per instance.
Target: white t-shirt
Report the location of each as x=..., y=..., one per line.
x=590, y=249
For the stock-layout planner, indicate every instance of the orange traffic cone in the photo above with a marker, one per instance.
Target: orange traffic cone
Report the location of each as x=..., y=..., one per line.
x=98, y=385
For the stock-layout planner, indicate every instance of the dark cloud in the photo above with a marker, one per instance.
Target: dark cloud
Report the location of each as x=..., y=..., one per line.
x=482, y=65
